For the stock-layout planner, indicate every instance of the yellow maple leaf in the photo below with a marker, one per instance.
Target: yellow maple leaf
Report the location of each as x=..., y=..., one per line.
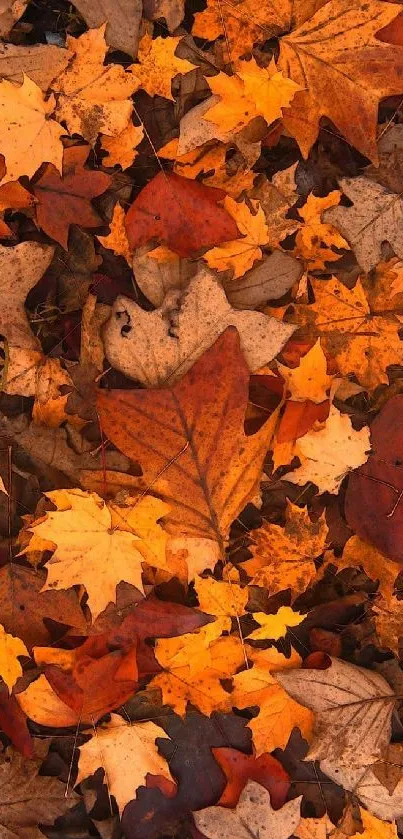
x=117, y=240
x=283, y=557
x=10, y=650
x=195, y=663
x=158, y=65
x=99, y=545
x=220, y=598
x=273, y=627
x=241, y=32
x=316, y=241
x=28, y=136
x=122, y=149
x=254, y=91
x=310, y=379
x=375, y=828
x=127, y=752
x=93, y=98
x=42, y=705
x=239, y=255
x=278, y=713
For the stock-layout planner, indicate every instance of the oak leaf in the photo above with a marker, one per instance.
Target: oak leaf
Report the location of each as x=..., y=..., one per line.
x=239, y=769
x=252, y=817
x=238, y=256
x=188, y=217
x=27, y=134
x=196, y=435
x=328, y=453
x=93, y=98
x=283, y=557
x=127, y=753
x=97, y=545
x=159, y=65
x=66, y=200
x=157, y=348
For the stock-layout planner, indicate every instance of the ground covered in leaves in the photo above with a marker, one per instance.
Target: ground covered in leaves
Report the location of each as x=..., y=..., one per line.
x=201, y=419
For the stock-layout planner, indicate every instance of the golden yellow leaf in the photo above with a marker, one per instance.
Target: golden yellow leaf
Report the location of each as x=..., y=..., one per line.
x=310, y=379
x=98, y=546
x=42, y=705
x=159, y=65
x=221, y=598
x=317, y=241
x=278, y=713
x=50, y=404
x=10, y=650
x=241, y=31
x=273, y=627
x=283, y=557
x=93, y=98
x=28, y=136
x=122, y=149
x=315, y=828
x=127, y=752
x=254, y=91
x=375, y=828
x=116, y=240
x=194, y=665
x=239, y=255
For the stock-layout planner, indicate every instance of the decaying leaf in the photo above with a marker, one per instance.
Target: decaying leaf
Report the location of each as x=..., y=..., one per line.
x=253, y=817
x=174, y=336
x=123, y=21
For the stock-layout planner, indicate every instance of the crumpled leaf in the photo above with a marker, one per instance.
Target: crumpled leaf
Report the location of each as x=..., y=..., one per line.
x=187, y=220
x=27, y=134
x=240, y=768
x=195, y=441
x=375, y=217
x=328, y=453
x=157, y=348
x=66, y=200
x=93, y=98
x=127, y=753
x=253, y=816
x=353, y=715
x=43, y=798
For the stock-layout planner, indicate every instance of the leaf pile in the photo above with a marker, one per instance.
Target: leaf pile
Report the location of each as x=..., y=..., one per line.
x=201, y=413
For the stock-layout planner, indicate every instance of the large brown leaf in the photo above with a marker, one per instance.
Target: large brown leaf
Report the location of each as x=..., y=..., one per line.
x=190, y=440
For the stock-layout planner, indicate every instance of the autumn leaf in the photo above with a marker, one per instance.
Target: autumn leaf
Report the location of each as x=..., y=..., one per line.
x=319, y=242
x=275, y=626
x=121, y=150
x=126, y=752
x=158, y=65
x=238, y=256
x=253, y=816
x=98, y=546
x=28, y=135
x=66, y=200
x=204, y=498
x=188, y=218
x=240, y=768
x=283, y=557
x=142, y=344
x=310, y=379
x=93, y=97
x=10, y=650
